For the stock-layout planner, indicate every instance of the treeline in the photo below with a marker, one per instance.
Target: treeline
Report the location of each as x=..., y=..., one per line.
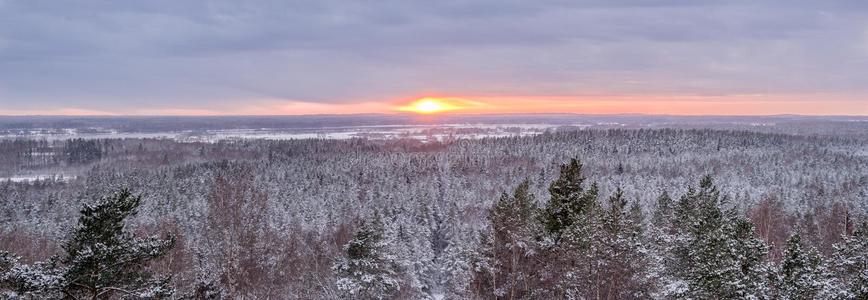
x=23, y=154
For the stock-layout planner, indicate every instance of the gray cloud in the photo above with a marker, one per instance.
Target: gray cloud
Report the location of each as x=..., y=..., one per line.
x=113, y=54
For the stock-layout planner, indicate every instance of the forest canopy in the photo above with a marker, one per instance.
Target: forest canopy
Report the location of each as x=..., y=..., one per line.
x=617, y=214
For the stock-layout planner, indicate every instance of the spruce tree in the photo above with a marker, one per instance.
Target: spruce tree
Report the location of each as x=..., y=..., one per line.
x=102, y=260
x=367, y=271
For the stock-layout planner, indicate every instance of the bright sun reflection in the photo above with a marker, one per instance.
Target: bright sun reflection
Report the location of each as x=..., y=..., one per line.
x=429, y=106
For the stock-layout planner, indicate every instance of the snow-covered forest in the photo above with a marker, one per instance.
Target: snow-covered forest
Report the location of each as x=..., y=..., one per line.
x=594, y=213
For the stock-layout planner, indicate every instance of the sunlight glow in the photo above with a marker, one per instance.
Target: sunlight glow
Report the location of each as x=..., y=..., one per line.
x=429, y=106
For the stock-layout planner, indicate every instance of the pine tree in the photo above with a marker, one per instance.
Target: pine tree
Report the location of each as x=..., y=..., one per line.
x=663, y=211
x=618, y=253
x=661, y=238
x=508, y=259
x=802, y=273
x=367, y=271
x=716, y=253
x=458, y=267
x=570, y=220
x=570, y=202
x=408, y=237
x=850, y=262
x=102, y=259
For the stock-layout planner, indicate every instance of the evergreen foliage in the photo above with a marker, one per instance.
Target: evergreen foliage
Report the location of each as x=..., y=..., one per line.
x=802, y=274
x=663, y=211
x=850, y=263
x=716, y=255
x=619, y=252
x=570, y=202
x=506, y=266
x=367, y=271
x=81, y=151
x=592, y=250
x=101, y=259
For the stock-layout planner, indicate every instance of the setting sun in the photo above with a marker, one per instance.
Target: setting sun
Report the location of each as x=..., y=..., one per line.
x=429, y=106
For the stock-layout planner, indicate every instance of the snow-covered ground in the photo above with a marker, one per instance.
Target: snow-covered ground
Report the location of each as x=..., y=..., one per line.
x=423, y=132
x=36, y=177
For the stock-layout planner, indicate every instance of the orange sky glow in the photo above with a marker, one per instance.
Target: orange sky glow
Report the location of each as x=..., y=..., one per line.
x=671, y=105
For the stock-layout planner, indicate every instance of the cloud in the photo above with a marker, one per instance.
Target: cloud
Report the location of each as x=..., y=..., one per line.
x=162, y=55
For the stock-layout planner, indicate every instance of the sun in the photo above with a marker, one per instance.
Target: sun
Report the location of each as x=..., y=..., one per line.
x=429, y=106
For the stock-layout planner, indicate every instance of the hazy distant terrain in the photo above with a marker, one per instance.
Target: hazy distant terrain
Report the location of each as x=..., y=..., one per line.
x=394, y=126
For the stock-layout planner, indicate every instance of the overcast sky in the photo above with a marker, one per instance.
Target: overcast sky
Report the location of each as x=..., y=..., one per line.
x=231, y=57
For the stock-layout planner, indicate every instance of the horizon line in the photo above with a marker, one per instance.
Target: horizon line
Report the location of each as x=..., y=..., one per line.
x=445, y=114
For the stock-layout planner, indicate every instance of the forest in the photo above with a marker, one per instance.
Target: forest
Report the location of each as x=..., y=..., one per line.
x=662, y=213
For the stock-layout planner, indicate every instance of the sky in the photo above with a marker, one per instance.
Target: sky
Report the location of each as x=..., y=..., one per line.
x=214, y=57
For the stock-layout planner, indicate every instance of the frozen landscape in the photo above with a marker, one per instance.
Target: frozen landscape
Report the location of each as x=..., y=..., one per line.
x=433, y=150
x=473, y=207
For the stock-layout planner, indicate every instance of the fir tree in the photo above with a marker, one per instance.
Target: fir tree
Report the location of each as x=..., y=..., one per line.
x=367, y=271
x=102, y=259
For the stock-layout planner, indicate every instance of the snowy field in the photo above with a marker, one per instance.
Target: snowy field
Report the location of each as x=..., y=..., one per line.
x=422, y=132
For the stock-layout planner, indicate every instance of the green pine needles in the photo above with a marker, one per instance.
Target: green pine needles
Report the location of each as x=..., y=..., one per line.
x=101, y=259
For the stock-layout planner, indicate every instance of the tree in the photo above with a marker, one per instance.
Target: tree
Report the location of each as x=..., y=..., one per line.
x=236, y=237
x=663, y=211
x=82, y=151
x=508, y=250
x=408, y=236
x=802, y=274
x=661, y=237
x=102, y=259
x=570, y=203
x=618, y=253
x=457, y=266
x=367, y=271
x=717, y=255
x=850, y=262
x=569, y=220
x=772, y=224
